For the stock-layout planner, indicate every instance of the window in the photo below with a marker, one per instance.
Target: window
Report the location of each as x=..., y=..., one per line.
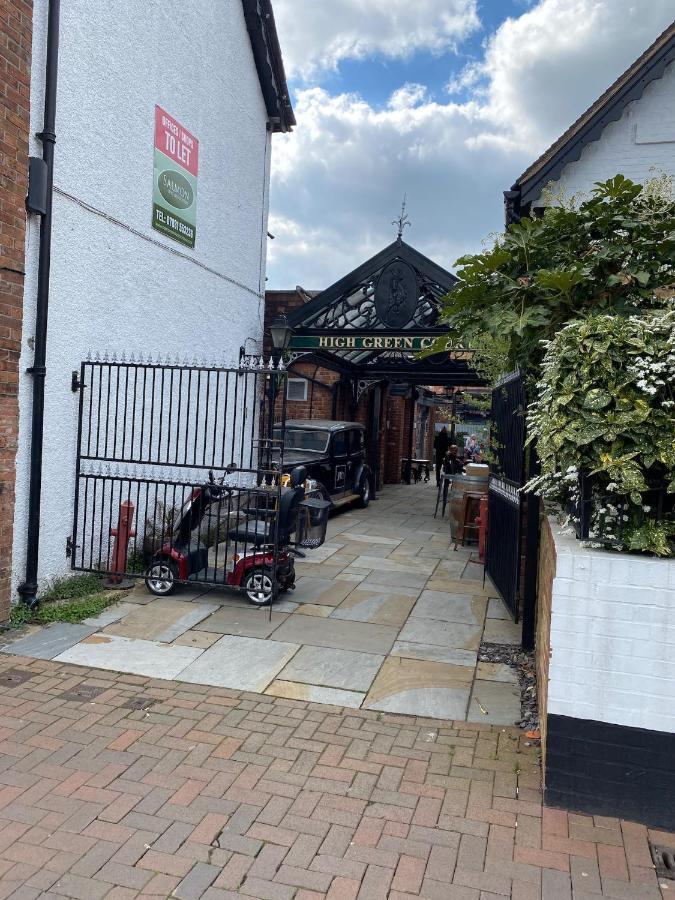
x=297, y=389
x=356, y=441
x=340, y=443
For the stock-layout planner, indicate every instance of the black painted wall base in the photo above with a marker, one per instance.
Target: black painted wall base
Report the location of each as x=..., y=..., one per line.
x=611, y=770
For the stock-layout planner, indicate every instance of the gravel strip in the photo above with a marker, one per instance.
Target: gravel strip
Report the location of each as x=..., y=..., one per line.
x=523, y=663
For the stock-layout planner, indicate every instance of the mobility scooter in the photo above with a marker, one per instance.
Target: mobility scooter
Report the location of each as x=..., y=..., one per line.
x=252, y=557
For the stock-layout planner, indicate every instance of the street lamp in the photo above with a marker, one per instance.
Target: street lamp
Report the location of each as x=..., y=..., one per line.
x=281, y=333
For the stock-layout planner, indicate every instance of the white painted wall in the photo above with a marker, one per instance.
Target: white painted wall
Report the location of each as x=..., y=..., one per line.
x=612, y=637
x=116, y=284
x=639, y=145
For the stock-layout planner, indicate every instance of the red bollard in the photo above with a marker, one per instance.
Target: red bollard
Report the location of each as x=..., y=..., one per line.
x=482, y=527
x=122, y=535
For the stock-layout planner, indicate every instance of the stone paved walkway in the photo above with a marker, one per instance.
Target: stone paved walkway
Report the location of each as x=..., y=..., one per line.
x=386, y=616
x=117, y=786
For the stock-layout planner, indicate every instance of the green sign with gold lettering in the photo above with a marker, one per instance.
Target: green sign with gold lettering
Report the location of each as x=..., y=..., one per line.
x=388, y=341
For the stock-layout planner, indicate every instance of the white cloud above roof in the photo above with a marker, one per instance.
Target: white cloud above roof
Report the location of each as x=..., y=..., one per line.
x=338, y=179
x=320, y=34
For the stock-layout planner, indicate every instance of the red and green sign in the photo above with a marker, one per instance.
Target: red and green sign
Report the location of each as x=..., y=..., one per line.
x=174, y=196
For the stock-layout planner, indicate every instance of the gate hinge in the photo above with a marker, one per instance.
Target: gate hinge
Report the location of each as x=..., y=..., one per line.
x=75, y=383
x=70, y=546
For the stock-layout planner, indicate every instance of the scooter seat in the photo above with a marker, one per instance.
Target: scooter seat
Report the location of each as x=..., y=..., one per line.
x=255, y=532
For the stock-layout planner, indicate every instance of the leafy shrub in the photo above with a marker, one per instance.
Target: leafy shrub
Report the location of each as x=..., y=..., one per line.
x=606, y=407
x=612, y=253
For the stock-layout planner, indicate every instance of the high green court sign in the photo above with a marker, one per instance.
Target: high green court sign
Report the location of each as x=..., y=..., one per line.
x=388, y=341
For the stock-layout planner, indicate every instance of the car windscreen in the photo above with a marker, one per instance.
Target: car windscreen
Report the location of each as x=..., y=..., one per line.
x=310, y=439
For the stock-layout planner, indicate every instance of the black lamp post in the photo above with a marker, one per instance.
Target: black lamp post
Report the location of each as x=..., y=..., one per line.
x=281, y=333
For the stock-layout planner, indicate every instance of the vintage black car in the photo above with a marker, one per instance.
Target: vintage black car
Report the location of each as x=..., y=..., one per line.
x=334, y=454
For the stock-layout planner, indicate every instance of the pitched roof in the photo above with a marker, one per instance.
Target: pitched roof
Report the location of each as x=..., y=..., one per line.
x=590, y=125
x=262, y=33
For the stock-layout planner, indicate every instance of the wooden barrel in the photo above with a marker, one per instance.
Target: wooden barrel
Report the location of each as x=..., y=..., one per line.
x=461, y=485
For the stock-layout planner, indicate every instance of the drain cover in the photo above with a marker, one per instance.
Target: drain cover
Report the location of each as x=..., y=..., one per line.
x=82, y=693
x=139, y=703
x=664, y=861
x=14, y=677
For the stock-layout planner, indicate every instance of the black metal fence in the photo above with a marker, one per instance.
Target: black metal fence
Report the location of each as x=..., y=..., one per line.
x=503, y=551
x=172, y=455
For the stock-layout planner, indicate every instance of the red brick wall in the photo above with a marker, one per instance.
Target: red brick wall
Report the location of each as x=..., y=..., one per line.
x=16, y=19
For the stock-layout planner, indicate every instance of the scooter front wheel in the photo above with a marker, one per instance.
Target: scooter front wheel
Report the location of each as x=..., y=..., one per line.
x=160, y=579
x=258, y=586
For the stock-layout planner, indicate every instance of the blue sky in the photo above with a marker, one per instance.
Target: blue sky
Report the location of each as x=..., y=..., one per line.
x=369, y=82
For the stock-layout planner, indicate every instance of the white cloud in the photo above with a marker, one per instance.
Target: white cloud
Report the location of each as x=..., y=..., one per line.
x=339, y=178
x=319, y=34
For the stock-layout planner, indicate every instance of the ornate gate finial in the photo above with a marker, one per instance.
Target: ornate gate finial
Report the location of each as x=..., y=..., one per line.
x=402, y=220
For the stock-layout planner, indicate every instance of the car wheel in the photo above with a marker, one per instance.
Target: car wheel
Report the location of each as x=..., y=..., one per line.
x=161, y=578
x=323, y=491
x=258, y=586
x=364, y=491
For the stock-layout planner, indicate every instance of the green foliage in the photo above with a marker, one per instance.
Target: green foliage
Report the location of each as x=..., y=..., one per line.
x=612, y=253
x=72, y=587
x=606, y=406
x=62, y=611
x=66, y=600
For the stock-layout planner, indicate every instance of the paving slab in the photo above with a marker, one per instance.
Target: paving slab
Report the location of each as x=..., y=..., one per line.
x=336, y=633
x=442, y=634
x=136, y=657
x=333, y=668
x=355, y=537
x=487, y=671
x=434, y=653
x=502, y=631
x=430, y=689
x=109, y=615
x=497, y=609
x=494, y=702
x=162, y=620
x=395, y=579
x=314, y=609
x=445, y=607
x=246, y=621
x=312, y=693
x=240, y=663
x=48, y=642
x=410, y=565
x=201, y=639
x=375, y=606
x=320, y=591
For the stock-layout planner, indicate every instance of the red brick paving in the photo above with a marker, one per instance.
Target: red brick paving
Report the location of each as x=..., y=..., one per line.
x=215, y=794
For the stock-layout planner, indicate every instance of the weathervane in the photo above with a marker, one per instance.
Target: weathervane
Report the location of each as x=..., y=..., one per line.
x=402, y=220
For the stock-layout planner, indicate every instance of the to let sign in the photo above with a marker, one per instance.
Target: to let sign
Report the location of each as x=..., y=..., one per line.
x=174, y=196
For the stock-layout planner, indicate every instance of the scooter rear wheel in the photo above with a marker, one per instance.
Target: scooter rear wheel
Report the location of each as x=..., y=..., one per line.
x=160, y=579
x=258, y=586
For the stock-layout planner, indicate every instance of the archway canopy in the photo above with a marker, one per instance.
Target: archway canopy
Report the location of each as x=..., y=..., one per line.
x=373, y=323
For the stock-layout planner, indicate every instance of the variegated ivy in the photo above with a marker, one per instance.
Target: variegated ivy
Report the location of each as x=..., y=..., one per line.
x=606, y=406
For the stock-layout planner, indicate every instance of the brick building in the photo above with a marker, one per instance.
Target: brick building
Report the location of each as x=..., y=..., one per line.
x=16, y=24
x=348, y=362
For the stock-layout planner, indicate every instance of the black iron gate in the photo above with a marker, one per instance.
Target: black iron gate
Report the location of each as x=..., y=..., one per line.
x=170, y=453
x=503, y=553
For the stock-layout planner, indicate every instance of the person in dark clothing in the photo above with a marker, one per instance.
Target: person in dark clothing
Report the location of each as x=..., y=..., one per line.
x=441, y=444
x=452, y=464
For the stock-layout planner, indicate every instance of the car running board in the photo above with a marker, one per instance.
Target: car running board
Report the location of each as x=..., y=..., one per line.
x=344, y=500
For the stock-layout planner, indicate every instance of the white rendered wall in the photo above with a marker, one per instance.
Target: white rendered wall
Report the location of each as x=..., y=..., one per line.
x=116, y=284
x=639, y=145
x=612, y=637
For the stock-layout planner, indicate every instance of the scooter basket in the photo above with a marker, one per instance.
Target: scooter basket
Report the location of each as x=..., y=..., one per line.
x=312, y=522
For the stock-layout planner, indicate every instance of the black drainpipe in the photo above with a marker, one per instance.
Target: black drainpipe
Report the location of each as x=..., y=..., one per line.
x=28, y=589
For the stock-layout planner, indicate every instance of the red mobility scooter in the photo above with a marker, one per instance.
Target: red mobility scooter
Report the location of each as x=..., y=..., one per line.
x=257, y=557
